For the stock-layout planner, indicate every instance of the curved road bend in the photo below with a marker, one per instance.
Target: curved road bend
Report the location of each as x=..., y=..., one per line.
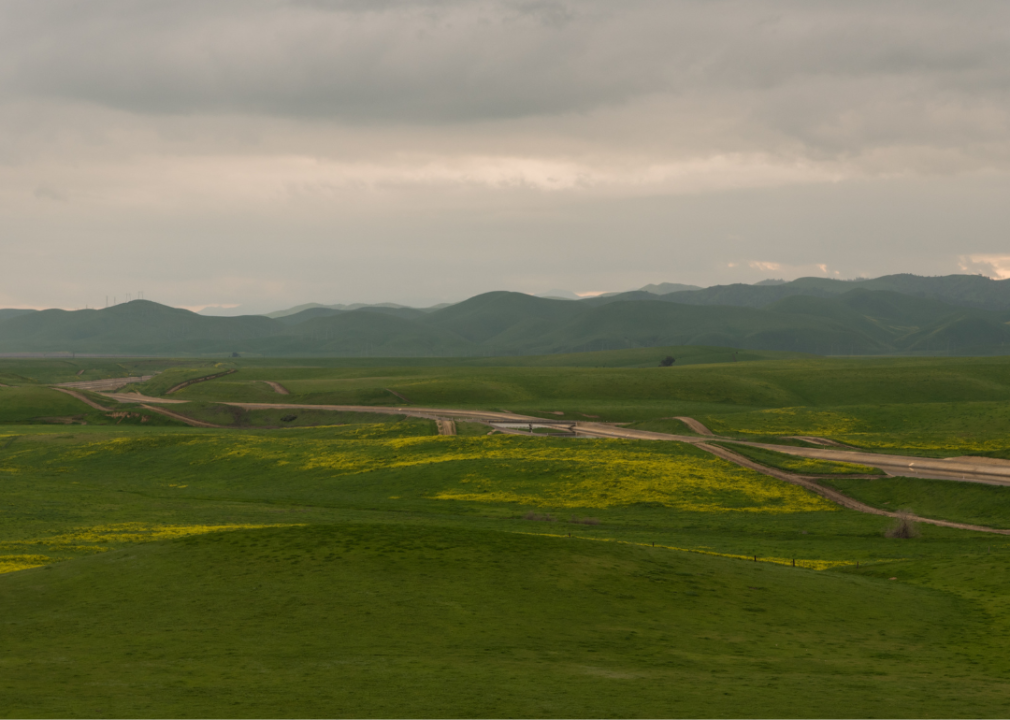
x=278, y=388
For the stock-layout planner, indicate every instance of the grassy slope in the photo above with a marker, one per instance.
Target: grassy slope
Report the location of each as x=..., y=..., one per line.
x=380, y=621
x=782, y=383
x=25, y=403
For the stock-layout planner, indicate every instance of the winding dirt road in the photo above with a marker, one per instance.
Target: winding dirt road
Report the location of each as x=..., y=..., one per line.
x=813, y=486
x=108, y=385
x=181, y=418
x=86, y=400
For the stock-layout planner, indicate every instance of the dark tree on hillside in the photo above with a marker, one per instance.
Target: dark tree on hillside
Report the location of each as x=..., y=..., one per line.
x=667, y=361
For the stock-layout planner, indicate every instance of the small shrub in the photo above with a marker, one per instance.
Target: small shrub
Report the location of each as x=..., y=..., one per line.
x=667, y=361
x=903, y=528
x=585, y=521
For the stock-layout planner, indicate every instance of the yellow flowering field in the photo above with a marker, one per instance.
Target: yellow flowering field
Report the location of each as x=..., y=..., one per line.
x=697, y=484
x=501, y=469
x=96, y=539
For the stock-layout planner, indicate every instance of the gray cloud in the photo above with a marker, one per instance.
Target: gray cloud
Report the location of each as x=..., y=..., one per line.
x=354, y=150
x=818, y=72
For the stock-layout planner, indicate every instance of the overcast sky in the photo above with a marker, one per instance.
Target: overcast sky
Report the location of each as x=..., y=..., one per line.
x=263, y=154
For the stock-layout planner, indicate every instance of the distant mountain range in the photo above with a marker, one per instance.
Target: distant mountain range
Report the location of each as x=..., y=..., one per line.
x=957, y=314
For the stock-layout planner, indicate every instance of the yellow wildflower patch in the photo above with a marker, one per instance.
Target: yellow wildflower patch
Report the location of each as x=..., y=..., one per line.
x=13, y=563
x=787, y=421
x=138, y=533
x=101, y=538
x=605, y=477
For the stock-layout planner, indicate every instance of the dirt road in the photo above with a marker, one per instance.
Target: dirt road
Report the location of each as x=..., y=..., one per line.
x=695, y=425
x=181, y=418
x=445, y=426
x=138, y=398
x=278, y=388
x=980, y=470
x=844, y=500
x=83, y=399
x=108, y=385
x=479, y=415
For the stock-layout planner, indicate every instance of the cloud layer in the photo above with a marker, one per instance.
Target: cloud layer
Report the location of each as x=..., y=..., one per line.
x=135, y=124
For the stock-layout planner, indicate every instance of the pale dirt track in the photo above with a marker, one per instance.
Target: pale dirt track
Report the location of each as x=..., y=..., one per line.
x=977, y=471
x=844, y=500
x=383, y=410
x=445, y=426
x=138, y=398
x=85, y=400
x=278, y=388
x=695, y=425
x=181, y=418
x=104, y=385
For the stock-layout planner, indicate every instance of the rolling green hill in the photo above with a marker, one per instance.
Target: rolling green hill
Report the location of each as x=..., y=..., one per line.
x=861, y=321
x=973, y=291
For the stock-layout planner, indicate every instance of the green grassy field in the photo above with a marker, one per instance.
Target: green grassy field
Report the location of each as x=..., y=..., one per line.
x=358, y=564
x=399, y=621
